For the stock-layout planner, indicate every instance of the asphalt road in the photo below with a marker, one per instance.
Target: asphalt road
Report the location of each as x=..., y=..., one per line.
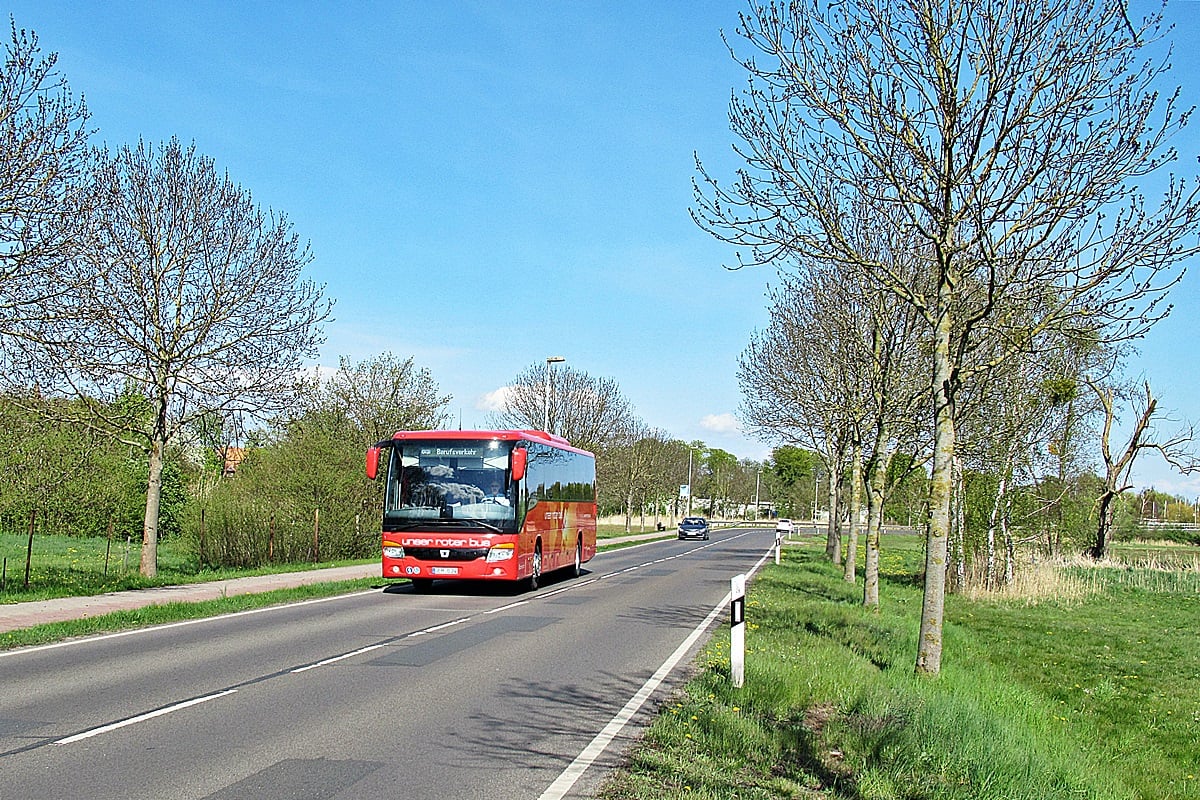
x=467, y=692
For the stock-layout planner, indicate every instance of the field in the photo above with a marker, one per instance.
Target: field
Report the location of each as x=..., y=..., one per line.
x=1084, y=684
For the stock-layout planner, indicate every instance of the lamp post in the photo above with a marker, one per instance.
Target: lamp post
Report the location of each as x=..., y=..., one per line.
x=691, y=451
x=689, y=497
x=757, y=475
x=551, y=360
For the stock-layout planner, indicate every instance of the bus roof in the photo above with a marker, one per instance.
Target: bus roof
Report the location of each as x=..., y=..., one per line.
x=510, y=436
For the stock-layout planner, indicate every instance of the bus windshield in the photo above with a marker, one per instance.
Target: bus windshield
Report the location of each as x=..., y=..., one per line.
x=463, y=480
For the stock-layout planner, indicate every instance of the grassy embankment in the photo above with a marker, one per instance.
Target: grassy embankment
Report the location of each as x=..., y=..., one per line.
x=1083, y=682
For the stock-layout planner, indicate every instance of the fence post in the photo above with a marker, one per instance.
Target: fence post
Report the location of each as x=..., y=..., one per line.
x=316, y=534
x=108, y=546
x=737, y=630
x=29, y=548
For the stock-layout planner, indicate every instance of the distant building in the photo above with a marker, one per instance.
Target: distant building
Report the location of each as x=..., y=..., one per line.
x=234, y=456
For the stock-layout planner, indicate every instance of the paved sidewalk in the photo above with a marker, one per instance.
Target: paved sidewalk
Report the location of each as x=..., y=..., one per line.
x=14, y=616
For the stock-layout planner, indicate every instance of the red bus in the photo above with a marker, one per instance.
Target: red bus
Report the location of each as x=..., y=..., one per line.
x=484, y=505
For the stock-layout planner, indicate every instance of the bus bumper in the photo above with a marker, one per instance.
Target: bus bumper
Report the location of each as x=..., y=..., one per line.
x=478, y=570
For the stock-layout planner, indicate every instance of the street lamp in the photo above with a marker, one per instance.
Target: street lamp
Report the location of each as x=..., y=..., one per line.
x=757, y=478
x=549, y=380
x=689, y=497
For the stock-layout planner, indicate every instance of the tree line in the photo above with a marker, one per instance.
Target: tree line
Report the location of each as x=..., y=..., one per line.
x=640, y=468
x=954, y=195
x=244, y=491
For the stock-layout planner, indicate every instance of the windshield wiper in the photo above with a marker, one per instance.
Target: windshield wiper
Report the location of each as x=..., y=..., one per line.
x=410, y=524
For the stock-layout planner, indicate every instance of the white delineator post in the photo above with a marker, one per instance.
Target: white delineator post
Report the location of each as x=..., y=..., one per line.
x=778, y=545
x=737, y=630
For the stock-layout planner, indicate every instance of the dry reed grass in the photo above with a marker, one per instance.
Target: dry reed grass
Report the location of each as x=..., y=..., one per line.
x=1072, y=579
x=1035, y=583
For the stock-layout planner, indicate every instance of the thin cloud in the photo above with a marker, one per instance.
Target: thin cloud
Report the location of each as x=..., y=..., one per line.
x=721, y=423
x=494, y=400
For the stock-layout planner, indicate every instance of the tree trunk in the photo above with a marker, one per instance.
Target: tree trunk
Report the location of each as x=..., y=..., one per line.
x=993, y=523
x=875, y=485
x=958, y=526
x=933, y=603
x=855, y=510
x=1010, y=547
x=149, y=565
x=1104, y=521
x=629, y=512
x=833, y=537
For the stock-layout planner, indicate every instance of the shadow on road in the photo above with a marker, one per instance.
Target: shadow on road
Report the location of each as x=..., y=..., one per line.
x=463, y=588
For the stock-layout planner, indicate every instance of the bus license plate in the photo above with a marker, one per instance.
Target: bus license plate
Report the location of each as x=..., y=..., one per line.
x=444, y=570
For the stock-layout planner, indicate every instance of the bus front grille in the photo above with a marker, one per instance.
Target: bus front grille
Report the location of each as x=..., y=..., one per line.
x=446, y=553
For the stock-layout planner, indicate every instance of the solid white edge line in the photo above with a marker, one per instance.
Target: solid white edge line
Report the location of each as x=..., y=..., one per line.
x=143, y=717
x=574, y=771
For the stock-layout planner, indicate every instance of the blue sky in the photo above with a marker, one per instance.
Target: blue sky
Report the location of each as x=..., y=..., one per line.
x=485, y=184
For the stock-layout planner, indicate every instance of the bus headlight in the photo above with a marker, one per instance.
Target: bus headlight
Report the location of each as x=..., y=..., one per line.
x=393, y=552
x=500, y=552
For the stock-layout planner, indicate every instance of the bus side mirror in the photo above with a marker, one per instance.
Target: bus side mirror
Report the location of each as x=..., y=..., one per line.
x=520, y=457
x=372, y=462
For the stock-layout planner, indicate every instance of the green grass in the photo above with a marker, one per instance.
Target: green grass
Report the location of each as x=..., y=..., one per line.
x=70, y=566
x=1095, y=696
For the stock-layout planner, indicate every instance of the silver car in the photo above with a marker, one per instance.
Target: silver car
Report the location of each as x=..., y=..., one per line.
x=693, y=528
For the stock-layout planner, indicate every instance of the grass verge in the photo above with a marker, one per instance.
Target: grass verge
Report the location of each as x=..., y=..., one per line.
x=73, y=566
x=1092, y=696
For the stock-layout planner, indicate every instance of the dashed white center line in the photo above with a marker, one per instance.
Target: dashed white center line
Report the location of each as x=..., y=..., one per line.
x=143, y=717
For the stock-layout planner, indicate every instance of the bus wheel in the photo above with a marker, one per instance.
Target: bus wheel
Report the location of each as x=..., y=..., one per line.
x=422, y=585
x=577, y=570
x=536, y=576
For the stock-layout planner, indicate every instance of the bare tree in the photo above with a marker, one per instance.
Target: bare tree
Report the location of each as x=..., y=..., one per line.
x=589, y=412
x=198, y=306
x=632, y=467
x=793, y=388
x=1175, y=448
x=43, y=171
x=895, y=406
x=1005, y=425
x=1005, y=138
x=384, y=394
